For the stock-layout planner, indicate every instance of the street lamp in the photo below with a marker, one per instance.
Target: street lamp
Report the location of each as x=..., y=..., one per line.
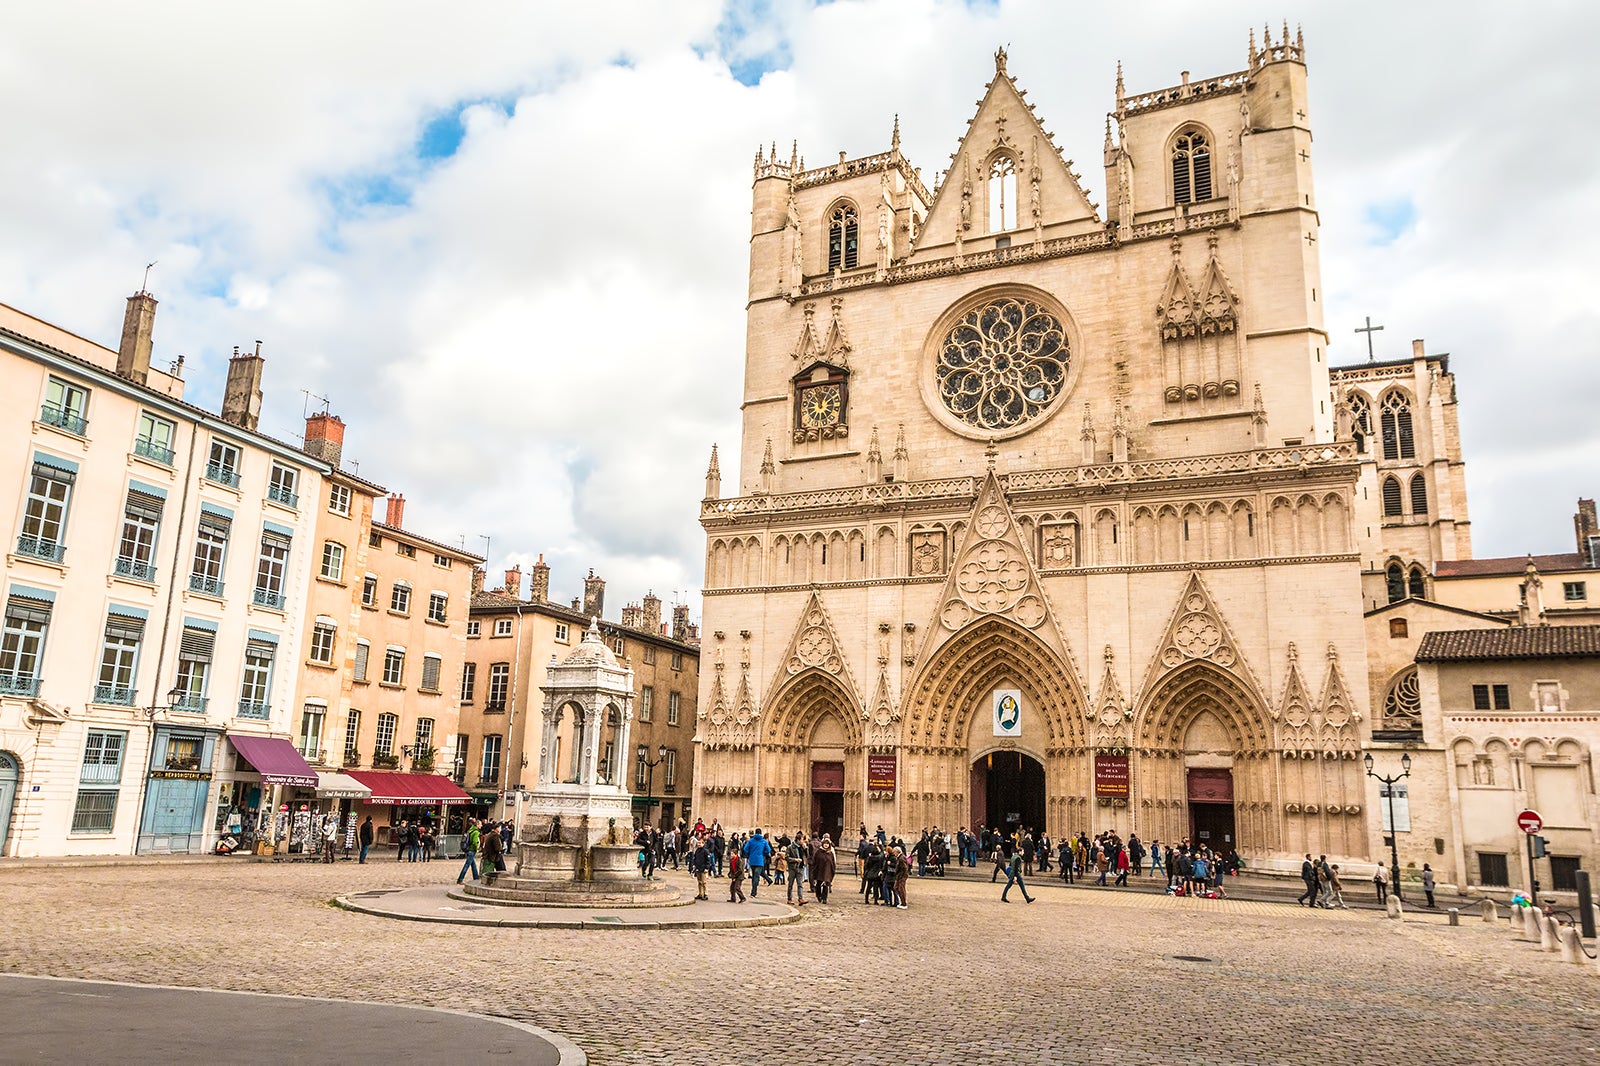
x=649, y=780
x=1388, y=784
x=174, y=694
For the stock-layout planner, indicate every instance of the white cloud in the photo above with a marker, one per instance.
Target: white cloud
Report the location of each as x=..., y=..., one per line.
x=538, y=337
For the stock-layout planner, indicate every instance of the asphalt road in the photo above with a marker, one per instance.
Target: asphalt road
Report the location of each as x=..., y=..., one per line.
x=47, y=1020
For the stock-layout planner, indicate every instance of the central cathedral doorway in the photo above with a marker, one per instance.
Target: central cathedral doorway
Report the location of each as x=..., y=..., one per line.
x=1008, y=792
x=1211, y=809
x=827, y=799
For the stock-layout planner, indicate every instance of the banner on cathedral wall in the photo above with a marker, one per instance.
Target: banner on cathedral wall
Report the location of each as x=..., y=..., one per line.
x=1007, y=712
x=882, y=770
x=1111, y=776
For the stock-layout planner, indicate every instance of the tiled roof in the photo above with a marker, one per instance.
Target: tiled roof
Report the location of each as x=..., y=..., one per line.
x=443, y=549
x=1514, y=642
x=1514, y=564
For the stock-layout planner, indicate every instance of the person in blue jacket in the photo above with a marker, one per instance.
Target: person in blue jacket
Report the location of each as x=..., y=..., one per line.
x=756, y=853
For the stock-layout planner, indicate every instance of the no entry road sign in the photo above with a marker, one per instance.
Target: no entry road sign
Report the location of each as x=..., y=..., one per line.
x=1530, y=822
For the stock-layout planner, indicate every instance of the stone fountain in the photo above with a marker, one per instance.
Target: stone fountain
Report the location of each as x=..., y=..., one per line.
x=575, y=843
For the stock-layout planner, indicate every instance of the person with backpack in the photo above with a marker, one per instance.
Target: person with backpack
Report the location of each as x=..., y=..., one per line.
x=1014, y=877
x=796, y=860
x=470, y=862
x=494, y=852
x=756, y=853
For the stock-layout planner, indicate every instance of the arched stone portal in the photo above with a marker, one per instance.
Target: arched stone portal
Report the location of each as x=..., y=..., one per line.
x=812, y=768
x=948, y=726
x=1208, y=771
x=1008, y=792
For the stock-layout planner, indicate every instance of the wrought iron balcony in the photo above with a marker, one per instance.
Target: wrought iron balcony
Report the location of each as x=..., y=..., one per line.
x=149, y=449
x=116, y=694
x=222, y=475
x=211, y=586
x=352, y=758
x=268, y=598
x=129, y=567
x=385, y=762
x=40, y=548
x=189, y=704
x=61, y=418
x=254, y=709
x=279, y=494
x=489, y=780
x=18, y=685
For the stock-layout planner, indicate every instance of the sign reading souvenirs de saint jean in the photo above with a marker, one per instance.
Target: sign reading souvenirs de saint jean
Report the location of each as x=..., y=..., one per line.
x=1007, y=712
x=881, y=773
x=1111, y=776
x=1530, y=822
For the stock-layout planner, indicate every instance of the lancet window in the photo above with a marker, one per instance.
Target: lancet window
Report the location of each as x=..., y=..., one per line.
x=1398, y=442
x=1191, y=168
x=1002, y=194
x=843, y=238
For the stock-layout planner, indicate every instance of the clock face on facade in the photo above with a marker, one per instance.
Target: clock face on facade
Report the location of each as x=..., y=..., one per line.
x=821, y=406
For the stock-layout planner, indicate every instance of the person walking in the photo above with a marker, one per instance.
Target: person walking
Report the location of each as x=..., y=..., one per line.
x=902, y=874
x=736, y=877
x=701, y=864
x=365, y=837
x=330, y=836
x=756, y=853
x=824, y=864
x=1380, y=884
x=796, y=861
x=470, y=846
x=1324, y=884
x=1336, y=887
x=1155, y=859
x=1014, y=877
x=1427, y=884
x=493, y=853
x=1308, y=874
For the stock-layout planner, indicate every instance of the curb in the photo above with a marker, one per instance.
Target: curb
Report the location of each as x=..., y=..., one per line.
x=786, y=916
x=569, y=1053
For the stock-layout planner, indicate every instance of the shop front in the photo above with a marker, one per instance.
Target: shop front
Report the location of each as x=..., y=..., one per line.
x=338, y=795
x=256, y=799
x=396, y=798
x=178, y=785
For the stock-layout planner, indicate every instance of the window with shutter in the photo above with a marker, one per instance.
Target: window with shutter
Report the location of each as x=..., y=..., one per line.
x=363, y=654
x=430, y=673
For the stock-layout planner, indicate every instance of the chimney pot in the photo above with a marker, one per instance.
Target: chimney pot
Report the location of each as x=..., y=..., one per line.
x=325, y=438
x=241, y=396
x=397, y=511
x=539, y=582
x=138, y=328
x=514, y=582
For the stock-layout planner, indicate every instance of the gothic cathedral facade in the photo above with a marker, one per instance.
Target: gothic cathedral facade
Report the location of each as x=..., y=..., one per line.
x=1049, y=515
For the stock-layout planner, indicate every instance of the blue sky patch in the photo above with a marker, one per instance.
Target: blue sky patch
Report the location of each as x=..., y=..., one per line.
x=1391, y=220
x=750, y=39
x=442, y=135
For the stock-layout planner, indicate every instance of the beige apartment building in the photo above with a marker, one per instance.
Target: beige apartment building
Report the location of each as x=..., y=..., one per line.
x=156, y=569
x=1057, y=516
x=512, y=640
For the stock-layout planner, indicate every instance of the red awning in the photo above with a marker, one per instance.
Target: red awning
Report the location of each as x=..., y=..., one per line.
x=276, y=759
x=421, y=790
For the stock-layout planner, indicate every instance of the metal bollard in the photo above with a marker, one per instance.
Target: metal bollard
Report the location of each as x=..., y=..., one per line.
x=1586, y=906
x=1455, y=916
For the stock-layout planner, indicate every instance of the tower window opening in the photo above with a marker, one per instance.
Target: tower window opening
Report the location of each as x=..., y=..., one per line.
x=1191, y=168
x=843, y=234
x=1002, y=194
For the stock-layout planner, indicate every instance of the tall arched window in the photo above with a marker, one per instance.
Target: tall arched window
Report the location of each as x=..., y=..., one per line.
x=1396, y=420
x=1417, y=586
x=1191, y=168
x=1002, y=194
x=843, y=232
x=1391, y=498
x=1419, y=495
x=1360, y=421
x=1397, y=582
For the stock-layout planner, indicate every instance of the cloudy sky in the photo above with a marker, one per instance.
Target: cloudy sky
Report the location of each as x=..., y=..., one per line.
x=507, y=242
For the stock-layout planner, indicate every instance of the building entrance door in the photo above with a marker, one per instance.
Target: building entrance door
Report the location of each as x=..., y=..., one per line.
x=8, y=795
x=827, y=799
x=1008, y=792
x=1211, y=809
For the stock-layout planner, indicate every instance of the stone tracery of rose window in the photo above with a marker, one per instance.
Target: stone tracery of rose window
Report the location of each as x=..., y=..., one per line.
x=1003, y=364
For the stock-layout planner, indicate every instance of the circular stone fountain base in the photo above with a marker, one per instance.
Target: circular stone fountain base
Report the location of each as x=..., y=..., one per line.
x=566, y=875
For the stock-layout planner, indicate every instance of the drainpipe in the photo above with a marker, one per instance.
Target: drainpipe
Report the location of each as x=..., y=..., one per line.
x=166, y=628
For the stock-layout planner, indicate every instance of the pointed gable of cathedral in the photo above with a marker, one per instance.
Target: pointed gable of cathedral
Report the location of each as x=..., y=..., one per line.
x=815, y=644
x=1295, y=707
x=1196, y=631
x=1048, y=193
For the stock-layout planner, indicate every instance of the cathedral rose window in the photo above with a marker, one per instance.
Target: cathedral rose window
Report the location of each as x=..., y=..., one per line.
x=1002, y=364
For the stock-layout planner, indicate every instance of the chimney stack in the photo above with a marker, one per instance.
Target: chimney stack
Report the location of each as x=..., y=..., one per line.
x=396, y=516
x=241, y=397
x=478, y=575
x=1585, y=525
x=138, y=327
x=633, y=616
x=539, y=582
x=594, y=596
x=680, y=622
x=652, y=613
x=514, y=582
x=325, y=438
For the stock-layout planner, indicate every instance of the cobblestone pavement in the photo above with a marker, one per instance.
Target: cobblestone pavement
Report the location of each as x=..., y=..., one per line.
x=1079, y=976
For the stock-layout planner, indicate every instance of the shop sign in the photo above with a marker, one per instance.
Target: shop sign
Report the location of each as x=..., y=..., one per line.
x=182, y=775
x=882, y=771
x=1111, y=776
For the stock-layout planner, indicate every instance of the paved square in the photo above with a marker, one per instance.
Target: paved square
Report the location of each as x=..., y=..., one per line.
x=1079, y=976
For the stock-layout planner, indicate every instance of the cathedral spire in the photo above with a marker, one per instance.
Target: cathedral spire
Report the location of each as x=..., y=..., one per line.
x=902, y=458
x=874, y=460
x=1122, y=93
x=894, y=138
x=769, y=469
x=713, y=477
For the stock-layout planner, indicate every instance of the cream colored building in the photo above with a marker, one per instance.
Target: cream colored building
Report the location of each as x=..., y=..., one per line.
x=153, y=580
x=1057, y=516
x=511, y=642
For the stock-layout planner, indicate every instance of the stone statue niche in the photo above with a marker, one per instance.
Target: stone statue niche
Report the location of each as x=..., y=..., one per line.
x=575, y=844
